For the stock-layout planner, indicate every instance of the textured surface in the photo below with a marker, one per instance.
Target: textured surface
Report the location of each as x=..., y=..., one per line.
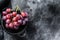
x=44, y=17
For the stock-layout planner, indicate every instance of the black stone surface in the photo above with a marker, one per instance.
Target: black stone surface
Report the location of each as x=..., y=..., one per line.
x=44, y=19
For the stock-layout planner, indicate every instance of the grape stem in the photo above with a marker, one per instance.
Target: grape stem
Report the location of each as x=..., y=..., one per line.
x=18, y=8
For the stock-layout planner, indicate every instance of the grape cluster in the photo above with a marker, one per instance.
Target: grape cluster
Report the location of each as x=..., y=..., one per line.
x=14, y=19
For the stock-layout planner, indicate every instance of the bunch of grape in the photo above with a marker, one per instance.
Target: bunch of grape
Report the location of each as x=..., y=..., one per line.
x=14, y=19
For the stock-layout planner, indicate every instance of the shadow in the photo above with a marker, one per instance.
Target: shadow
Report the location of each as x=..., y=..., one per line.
x=4, y=4
x=31, y=30
x=37, y=15
x=49, y=20
x=53, y=8
x=19, y=38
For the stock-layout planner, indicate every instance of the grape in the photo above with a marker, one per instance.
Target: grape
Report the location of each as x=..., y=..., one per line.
x=8, y=21
x=24, y=22
x=24, y=14
x=11, y=25
x=14, y=19
x=18, y=16
x=8, y=10
x=7, y=25
x=4, y=18
x=11, y=14
x=8, y=16
x=15, y=27
x=14, y=13
x=4, y=13
x=20, y=21
x=21, y=16
x=15, y=23
x=26, y=19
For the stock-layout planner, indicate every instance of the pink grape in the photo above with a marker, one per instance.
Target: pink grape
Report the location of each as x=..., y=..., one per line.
x=24, y=14
x=20, y=21
x=11, y=25
x=14, y=19
x=15, y=23
x=8, y=10
x=18, y=16
x=8, y=21
x=14, y=13
x=15, y=27
x=7, y=25
x=26, y=19
x=24, y=23
x=4, y=18
x=8, y=16
x=21, y=16
x=11, y=14
x=4, y=13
